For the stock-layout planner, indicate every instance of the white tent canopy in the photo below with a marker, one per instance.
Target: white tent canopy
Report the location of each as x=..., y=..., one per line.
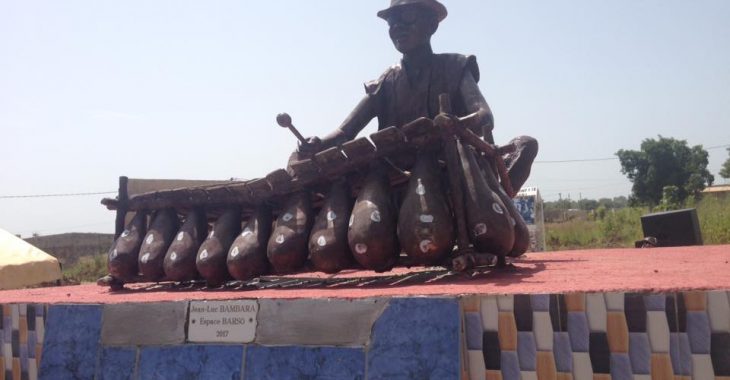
x=22, y=264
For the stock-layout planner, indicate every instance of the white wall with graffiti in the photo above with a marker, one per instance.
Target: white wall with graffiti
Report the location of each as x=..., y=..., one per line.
x=529, y=203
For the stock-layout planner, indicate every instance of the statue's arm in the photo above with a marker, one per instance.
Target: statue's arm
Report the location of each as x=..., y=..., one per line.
x=475, y=103
x=353, y=124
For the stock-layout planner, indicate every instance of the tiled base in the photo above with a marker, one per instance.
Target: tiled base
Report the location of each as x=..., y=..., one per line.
x=577, y=336
x=599, y=335
x=21, y=340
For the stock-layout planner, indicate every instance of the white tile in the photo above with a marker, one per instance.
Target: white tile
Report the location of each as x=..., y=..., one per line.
x=490, y=313
x=40, y=329
x=582, y=369
x=642, y=377
x=596, y=311
x=528, y=375
x=8, y=356
x=32, y=370
x=543, y=329
x=477, y=368
x=719, y=311
x=615, y=301
x=658, y=329
x=506, y=303
x=702, y=368
x=23, y=309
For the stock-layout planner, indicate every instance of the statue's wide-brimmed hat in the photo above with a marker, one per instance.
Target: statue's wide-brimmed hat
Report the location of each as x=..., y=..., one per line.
x=438, y=8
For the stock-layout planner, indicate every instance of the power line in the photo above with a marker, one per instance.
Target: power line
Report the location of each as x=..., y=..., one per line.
x=114, y=192
x=55, y=195
x=718, y=146
x=608, y=158
x=578, y=160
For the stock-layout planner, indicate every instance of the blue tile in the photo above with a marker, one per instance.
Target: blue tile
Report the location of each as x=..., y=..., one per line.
x=190, y=362
x=294, y=362
x=39, y=309
x=71, y=342
x=474, y=334
x=563, y=353
x=640, y=353
x=8, y=330
x=24, y=357
x=526, y=351
x=621, y=367
x=578, y=331
x=510, y=366
x=680, y=353
x=655, y=302
x=540, y=302
x=32, y=341
x=117, y=363
x=416, y=338
x=698, y=330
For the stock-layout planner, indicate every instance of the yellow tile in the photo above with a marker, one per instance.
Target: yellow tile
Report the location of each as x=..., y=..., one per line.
x=695, y=301
x=565, y=376
x=470, y=303
x=494, y=375
x=617, y=332
x=23, y=331
x=16, y=369
x=507, y=332
x=575, y=302
x=602, y=376
x=38, y=352
x=661, y=367
x=546, y=366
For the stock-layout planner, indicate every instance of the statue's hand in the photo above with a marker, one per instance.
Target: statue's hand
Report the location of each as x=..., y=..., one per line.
x=313, y=145
x=446, y=121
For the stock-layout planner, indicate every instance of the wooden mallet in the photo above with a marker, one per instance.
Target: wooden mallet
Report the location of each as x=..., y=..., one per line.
x=284, y=120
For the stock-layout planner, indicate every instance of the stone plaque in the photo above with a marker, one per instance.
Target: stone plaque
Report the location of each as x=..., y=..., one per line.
x=223, y=321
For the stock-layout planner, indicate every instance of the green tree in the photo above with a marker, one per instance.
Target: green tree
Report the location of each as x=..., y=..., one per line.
x=665, y=162
x=670, y=198
x=587, y=204
x=725, y=171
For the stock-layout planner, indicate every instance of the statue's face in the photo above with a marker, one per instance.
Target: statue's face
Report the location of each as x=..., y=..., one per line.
x=411, y=28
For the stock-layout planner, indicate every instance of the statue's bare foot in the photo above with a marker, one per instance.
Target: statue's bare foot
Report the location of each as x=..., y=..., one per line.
x=503, y=265
x=111, y=282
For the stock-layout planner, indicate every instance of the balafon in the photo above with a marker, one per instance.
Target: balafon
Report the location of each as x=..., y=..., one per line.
x=179, y=263
x=211, y=259
x=328, y=247
x=158, y=239
x=247, y=255
x=287, y=246
x=372, y=233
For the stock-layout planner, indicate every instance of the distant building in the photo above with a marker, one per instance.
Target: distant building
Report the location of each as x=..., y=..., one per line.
x=529, y=203
x=717, y=190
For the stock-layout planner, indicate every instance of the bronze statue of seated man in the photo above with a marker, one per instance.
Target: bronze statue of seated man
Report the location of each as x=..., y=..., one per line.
x=411, y=89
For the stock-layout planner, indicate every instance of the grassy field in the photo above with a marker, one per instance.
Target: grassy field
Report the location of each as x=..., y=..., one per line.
x=86, y=269
x=620, y=228
x=714, y=215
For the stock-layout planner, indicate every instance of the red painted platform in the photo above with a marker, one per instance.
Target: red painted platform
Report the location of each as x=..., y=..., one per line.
x=605, y=270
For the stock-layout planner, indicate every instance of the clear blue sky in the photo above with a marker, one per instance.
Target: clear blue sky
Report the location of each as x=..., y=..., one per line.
x=91, y=90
